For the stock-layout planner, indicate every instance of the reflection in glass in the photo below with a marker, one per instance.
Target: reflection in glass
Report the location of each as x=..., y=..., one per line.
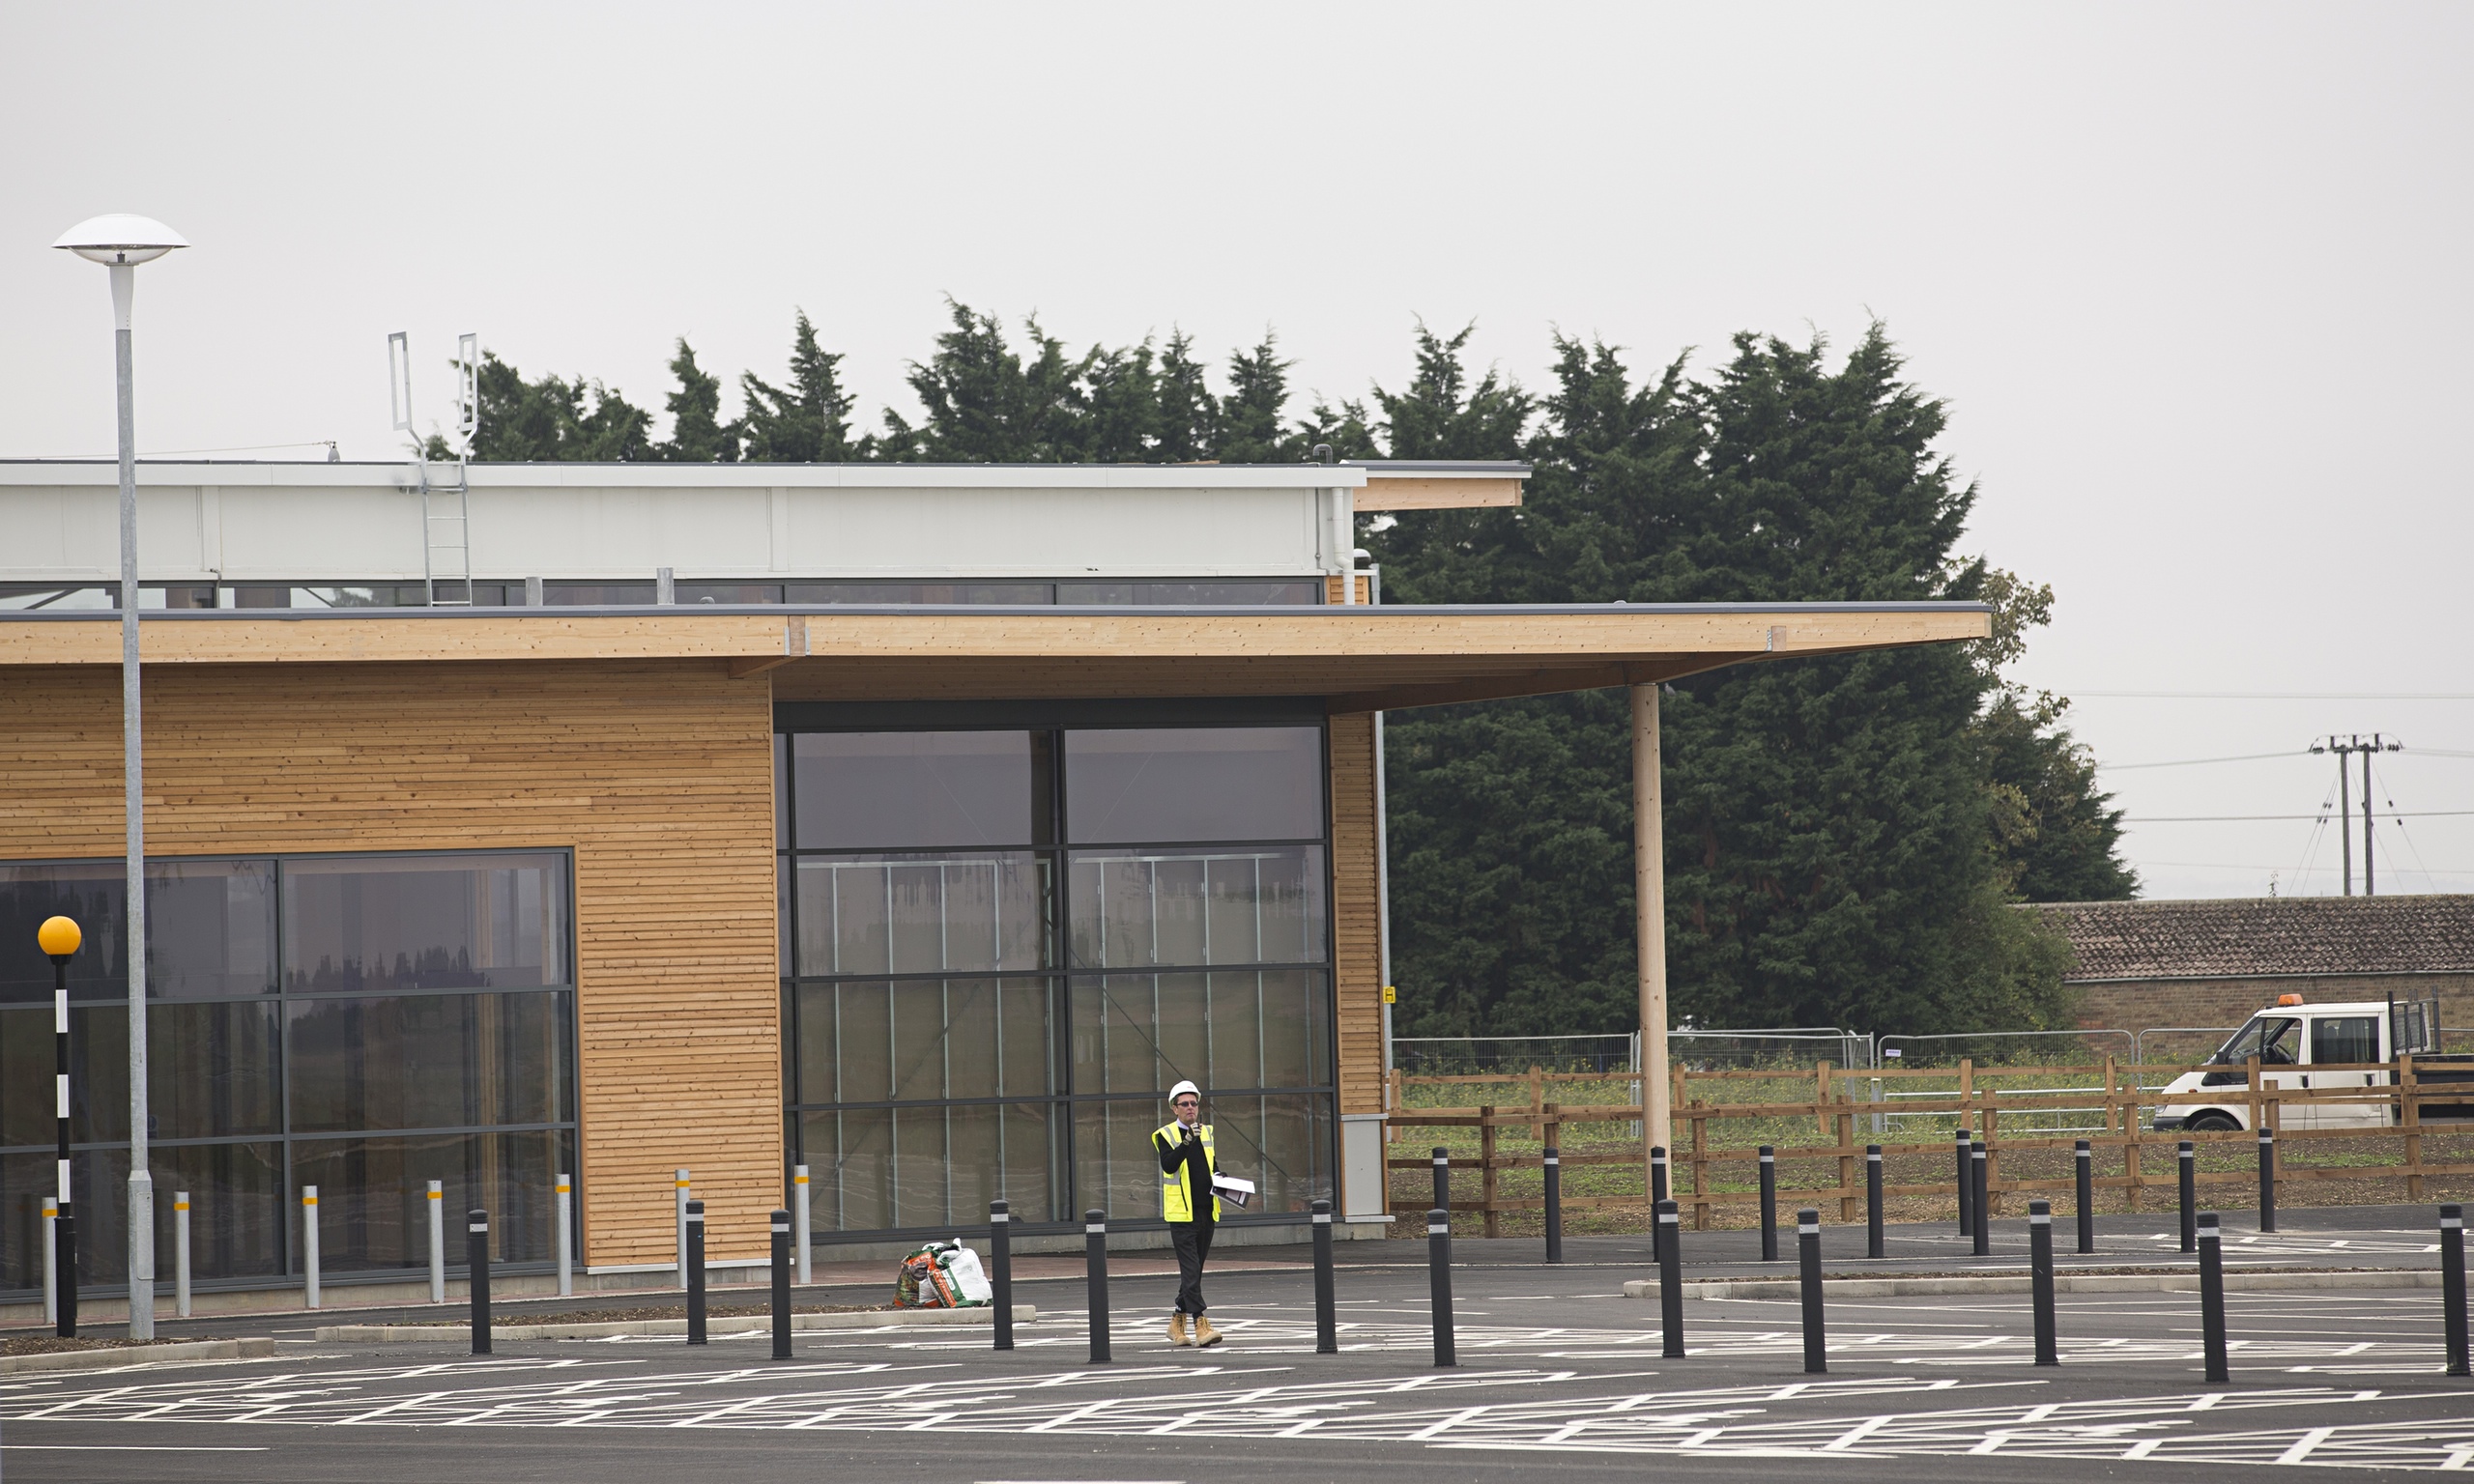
x=881, y=790
x=39, y=595
x=212, y=1072
x=428, y=1061
x=235, y=1215
x=1136, y=1033
x=901, y=594
x=1187, y=594
x=435, y=921
x=869, y=1042
x=1280, y=1142
x=872, y=1169
x=213, y=928
x=1136, y=909
x=727, y=593
x=373, y=1195
x=560, y=594
x=895, y=914
x=1216, y=783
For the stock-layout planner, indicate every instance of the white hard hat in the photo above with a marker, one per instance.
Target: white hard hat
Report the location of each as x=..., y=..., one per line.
x=1183, y=1088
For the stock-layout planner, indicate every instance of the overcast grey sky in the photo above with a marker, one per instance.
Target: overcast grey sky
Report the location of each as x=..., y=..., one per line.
x=2194, y=278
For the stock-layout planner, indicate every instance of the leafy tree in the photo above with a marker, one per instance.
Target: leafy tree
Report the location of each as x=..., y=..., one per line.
x=697, y=435
x=983, y=404
x=808, y=423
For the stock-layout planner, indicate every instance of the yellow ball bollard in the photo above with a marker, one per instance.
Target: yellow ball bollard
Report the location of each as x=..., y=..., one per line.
x=59, y=937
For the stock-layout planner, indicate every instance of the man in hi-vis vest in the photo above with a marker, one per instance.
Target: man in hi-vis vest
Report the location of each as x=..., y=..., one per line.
x=1187, y=1164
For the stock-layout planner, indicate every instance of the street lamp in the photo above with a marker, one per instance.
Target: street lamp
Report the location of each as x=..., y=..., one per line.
x=120, y=243
x=58, y=937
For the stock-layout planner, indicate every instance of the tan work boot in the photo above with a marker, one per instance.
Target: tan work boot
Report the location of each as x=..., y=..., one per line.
x=1205, y=1335
x=1177, y=1329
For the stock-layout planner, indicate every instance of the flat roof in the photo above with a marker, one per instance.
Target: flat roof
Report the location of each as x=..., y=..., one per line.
x=1353, y=657
x=393, y=472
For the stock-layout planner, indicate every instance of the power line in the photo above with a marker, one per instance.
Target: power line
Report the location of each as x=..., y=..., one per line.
x=2268, y=695
x=2425, y=814
x=2192, y=762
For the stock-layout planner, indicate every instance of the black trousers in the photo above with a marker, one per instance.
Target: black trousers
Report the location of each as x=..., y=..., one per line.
x=1193, y=1245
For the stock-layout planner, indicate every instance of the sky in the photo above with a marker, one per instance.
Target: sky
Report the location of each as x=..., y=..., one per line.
x=2193, y=279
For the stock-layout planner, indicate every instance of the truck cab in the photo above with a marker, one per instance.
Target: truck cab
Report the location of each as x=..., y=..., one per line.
x=2308, y=1047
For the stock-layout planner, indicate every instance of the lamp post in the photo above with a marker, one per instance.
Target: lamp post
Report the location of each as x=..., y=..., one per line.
x=120, y=243
x=58, y=937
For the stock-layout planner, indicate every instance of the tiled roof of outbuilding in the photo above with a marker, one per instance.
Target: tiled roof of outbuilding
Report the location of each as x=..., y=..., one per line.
x=2271, y=935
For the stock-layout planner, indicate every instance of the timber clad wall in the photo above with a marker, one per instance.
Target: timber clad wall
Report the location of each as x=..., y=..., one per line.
x=1357, y=966
x=658, y=775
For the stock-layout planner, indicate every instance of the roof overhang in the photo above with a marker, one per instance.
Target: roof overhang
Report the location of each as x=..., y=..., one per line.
x=1354, y=658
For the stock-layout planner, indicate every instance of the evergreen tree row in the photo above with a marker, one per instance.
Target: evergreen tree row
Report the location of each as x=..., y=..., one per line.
x=1846, y=837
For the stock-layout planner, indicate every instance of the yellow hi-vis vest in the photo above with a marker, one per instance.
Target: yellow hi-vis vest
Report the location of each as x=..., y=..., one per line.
x=1176, y=1200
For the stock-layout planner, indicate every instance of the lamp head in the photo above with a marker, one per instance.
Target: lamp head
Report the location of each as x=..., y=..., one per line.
x=120, y=240
x=59, y=938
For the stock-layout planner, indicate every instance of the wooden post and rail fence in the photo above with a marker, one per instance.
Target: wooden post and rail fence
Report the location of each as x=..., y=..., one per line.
x=2142, y=1159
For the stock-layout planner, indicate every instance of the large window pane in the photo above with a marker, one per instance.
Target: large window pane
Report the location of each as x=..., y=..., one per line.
x=1281, y=1143
x=373, y=1195
x=424, y=922
x=1188, y=594
x=891, y=594
x=212, y=1071
x=428, y=1061
x=871, y=1169
x=879, y=790
x=1224, y=783
x=1147, y=1032
x=870, y=1041
x=235, y=1211
x=212, y=930
x=1114, y=1166
x=1135, y=909
x=891, y=914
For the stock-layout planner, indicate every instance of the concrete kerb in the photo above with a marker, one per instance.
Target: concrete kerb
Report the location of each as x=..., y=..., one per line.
x=122, y=1357
x=741, y=1324
x=2066, y=1283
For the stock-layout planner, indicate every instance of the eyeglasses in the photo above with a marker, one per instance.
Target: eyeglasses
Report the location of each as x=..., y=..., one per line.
x=1189, y=1101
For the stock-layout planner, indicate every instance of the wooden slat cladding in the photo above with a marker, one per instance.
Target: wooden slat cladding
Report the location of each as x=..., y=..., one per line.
x=658, y=775
x=1335, y=593
x=1357, y=969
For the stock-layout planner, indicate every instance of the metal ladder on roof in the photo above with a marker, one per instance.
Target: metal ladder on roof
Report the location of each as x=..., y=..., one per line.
x=446, y=509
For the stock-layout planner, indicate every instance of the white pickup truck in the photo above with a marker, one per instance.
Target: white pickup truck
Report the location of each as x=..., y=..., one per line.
x=2291, y=1039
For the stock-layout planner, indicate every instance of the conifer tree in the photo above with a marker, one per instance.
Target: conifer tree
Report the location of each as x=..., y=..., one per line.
x=807, y=422
x=697, y=435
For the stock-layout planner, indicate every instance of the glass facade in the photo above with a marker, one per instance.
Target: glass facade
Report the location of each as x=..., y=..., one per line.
x=1001, y=946
x=365, y=1024
x=559, y=592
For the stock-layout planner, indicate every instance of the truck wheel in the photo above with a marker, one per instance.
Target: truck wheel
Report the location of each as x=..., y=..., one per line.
x=2212, y=1122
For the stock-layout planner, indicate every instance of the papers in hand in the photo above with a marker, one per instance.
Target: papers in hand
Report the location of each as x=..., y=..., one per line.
x=1233, y=1191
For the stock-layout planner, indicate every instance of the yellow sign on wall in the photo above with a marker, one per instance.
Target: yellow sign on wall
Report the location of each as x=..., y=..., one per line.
x=1390, y=995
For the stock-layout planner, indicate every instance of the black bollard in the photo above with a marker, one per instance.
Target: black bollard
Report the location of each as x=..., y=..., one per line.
x=1873, y=1201
x=1443, y=1177
x=1095, y=1262
x=476, y=1256
x=2267, y=1180
x=1554, y=1171
x=1769, y=1204
x=1658, y=1191
x=2212, y=1296
x=1001, y=1271
x=1966, y=1187
x=1670, y=1279
x=2086, y=1161
x=2040, y=1280
x=2189, y=1186
x=2452, y=1285
x=1979, y=1198
x=64, y=1247
x=1327, y=1322
x=1439, y=1271
x=1808, y=1259
x=694, y=1273
x=780, y=1285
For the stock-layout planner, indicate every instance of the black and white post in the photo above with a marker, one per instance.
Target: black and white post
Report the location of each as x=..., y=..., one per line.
x=2451, y=1286
x=476, y=1256
x=1808, y=1264
x=780, y=1285
x=1553, y=1171
x=59, y=938
x=1095, y=1278
x=1439, y=1277
x=1873, y=1243
x=1670, y=1280
x=694, y=1273
x=1769, y=1204
x=1000, y=1268
x=1658, y=1191
x=2212, y=1298
x=1327, y=1316
x=1443, y=1177
x=2083, y=1156
x=2040, y=1280
x=1979, y=1197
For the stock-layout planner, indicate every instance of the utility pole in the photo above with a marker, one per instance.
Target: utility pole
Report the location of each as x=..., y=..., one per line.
x=2354, y=743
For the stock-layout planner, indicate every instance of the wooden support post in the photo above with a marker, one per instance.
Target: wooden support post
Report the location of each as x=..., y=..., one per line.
x=2410, y=1117
x=1820, y=1096
x=1847, y=1162
x=2128, y=1129
x=1649, y=901
x=1992, y=1154
x=1536, y=1103
x=1486, y=1166
x=1700, y=1169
